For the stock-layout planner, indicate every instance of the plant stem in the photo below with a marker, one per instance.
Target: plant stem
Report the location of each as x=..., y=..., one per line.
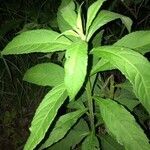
x=90, y=105
x=112, y=87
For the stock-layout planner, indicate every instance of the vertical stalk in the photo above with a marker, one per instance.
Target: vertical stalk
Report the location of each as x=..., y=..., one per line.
x=112, y=88
x=90, y=105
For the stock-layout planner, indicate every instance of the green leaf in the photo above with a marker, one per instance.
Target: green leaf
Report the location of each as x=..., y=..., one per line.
x=133, y=65
x=62, y=126
x=126, y=97
x=67, y=16
x=102, y=65
x=138, y=41
x=44, y=115
x=79, y=20
x=78, y=104
x=129, y=103
x=62, y=24
x=40, y=40
x=90, y=143
x=122, y=125
x=97, y=40
x=75, y=135
x=92, y=12
x=126, y=85
x=75, y=67
x=69, y=33
x=73, y=138
x=103, y=18
x=46, y=74
x=108, y=143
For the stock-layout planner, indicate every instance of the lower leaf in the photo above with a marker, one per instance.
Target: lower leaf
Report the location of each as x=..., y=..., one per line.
x=122, y=125
x=44, y=115
x=90, y=143
x=62, y=126
x=79, y=131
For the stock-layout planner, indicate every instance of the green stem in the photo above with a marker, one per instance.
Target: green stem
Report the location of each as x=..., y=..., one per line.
x=90, y=105
x=112, y=88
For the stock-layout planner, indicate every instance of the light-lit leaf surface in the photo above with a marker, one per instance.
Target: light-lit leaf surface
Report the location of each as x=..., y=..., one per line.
x=62, y=24
x=40, y=40
x=79, y=131
x=90, y=143
x=122, y=125
x=69, y=33
x=46, y=74
x=108, y=143
x=133, y=65
x=75, y=67
x=67, y=16
x=62, y=126
x=138, y=41
x=103, y=18
x=44, y=115
x=92, y=11
x=79, y=20
x=102, y=65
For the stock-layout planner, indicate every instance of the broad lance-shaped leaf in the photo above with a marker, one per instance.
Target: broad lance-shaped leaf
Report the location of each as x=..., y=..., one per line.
x=122, y=125
x=133, y=65
x=62, y=126
x=102, y=65
x=79, y=19
x=74, y=137
x=66, y=15
x=62, y=24
x=44, y=115
x=79, y=28
x=75, y=67
x=40, y=40
x=46, y=74
x=90, y=143
x=92, y=11
x=138, y=41
x=103, y=18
